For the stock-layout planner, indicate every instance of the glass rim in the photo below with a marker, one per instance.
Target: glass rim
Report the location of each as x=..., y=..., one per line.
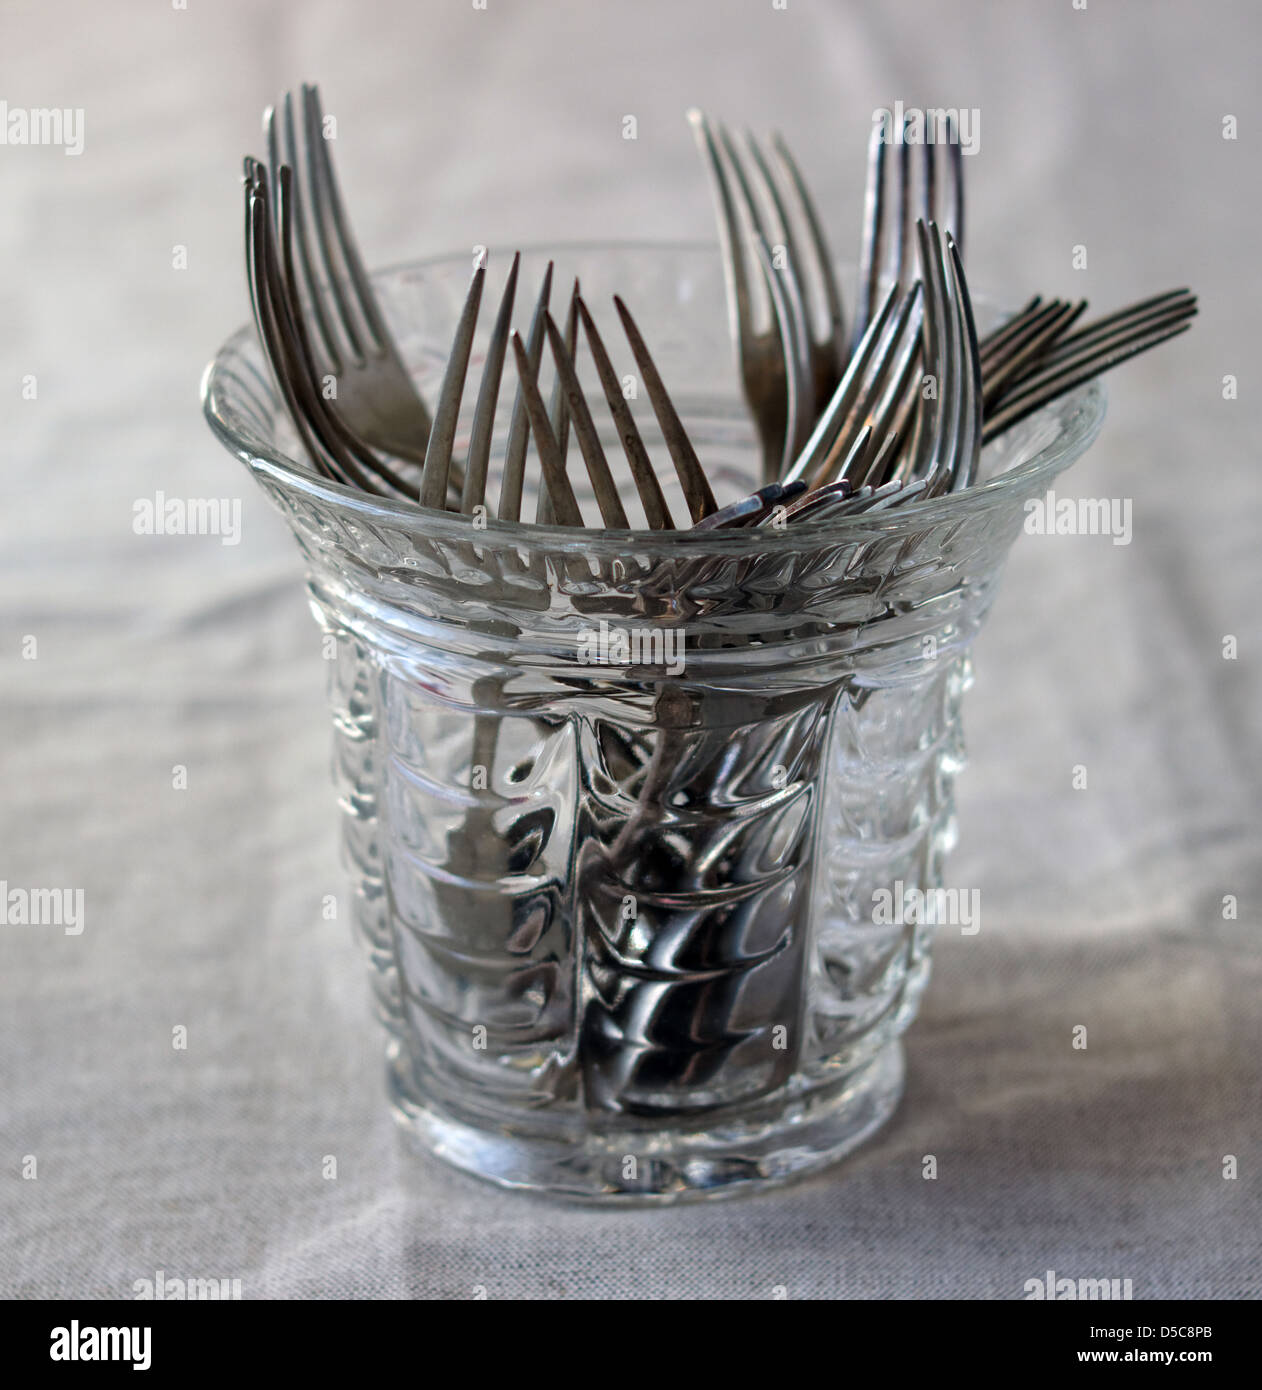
x=1081, y=415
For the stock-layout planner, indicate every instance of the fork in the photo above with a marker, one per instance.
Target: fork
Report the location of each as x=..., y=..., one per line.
x=819, y=362
x=848, y=425
x=375, y=398
x=785, y=369
x=331, y=448
x=948, y=441
x=336, y=450
x=771, y=367
x=698, y=495
x=876, y=260
x=1094, y=349
x=769, y=197
x=857, y=440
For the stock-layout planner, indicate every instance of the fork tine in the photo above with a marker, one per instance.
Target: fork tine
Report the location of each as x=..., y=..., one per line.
x=564, y=503
x=753, y=510
x=1149, y=311
x=995, y=340
x=655, y=509
x=866, y=410
x=1027, y=350
x=903, y=227
x=558, y=411
x=280, y=342
x=823, y=262
x=1092, y=342
x=844, y=468
x=765, y=356
x=692, y=477
x=871, y=497
x=735, y=270
x=275, y=324
x=1073, y=372
x=436, y=472
x=757, y=186
x=971, y=368
x=932, y=432
x=1018, y=332
x=955, y=158
x=890, y=414
x=796, y=385
x=474, y=492
x=831, y=493
x=952, y=388
x=901, y=414
x=855, y=467
x=929, y=183
x=256, y=215
x=287, y=291
x=907, y=492
x=821, y=503
x=873, y=232
x=280, y=131
x=325, y=208
x=611, y=509
x=366, y=300
x=834, y=417
x=891, y=373
x=519, y=427
x=782, y=284
x=761, y=189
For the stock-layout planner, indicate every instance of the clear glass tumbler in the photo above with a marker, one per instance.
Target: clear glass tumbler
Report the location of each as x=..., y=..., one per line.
x=619, y=806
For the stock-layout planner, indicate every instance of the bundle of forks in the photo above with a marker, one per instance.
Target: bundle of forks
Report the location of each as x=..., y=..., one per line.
x=887, y=406
x=893, y=407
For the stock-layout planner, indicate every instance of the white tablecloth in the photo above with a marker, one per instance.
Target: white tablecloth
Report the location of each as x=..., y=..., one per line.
x=1102, y=907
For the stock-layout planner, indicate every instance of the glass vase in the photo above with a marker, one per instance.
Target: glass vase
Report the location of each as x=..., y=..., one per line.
x=622, y=810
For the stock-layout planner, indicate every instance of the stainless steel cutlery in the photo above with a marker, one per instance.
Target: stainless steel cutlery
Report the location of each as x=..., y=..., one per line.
x=892, y=408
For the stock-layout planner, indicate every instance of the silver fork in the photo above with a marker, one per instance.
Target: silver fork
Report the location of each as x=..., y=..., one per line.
x=336, y=450
x=771, y=365
x=881, y=259
x=771, y=206
x=549, y=441
x=376, y=397
x=269, y=308
x=333, y=450
x=857, y=439
x=820, y=361
x=949, y=429
x=1094, y=349
x=1025, y=340
x=861, y=406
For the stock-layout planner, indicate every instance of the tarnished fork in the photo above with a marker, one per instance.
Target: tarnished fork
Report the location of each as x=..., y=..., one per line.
x=1093, y=349
x=698, y=495
x=762, y=325
x=852, y=431
x=949, y=425
x=318, y=431
x=376, y=397
x=918, y=194
x=804, y=269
